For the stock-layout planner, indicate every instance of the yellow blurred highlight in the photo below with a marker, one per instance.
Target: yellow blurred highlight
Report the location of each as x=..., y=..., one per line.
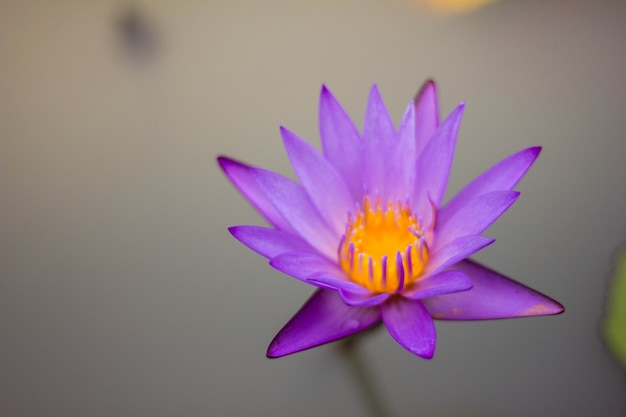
x=456, y=6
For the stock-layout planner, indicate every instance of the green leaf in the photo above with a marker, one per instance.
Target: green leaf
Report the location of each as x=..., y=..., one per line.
x=614, y=325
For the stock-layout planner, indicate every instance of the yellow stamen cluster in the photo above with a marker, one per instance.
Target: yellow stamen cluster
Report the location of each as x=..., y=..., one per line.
x=384, y=251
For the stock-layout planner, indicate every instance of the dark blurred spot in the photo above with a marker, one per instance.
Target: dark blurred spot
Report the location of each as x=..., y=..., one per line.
x=138, y=36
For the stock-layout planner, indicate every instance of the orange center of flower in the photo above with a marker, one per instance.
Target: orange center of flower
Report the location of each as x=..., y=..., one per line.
x=384, y=251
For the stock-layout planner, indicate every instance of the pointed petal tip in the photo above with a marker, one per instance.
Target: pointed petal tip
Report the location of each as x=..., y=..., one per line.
x=326, y=95
x=375, y=98
x=548, y=307
x=224, y=161
x=494, y=296
x=324, y=318
x=429, y=87
x=278, y=349
x=507, y=196
x=558, y=308
x=429, y=83
x=409, y=115
x=513, y=195
x=488, y=241
x=424, y=352
x=428, y=355
x=455, y=116
x=532, y=153
x=275, y=352
x=411, y=325
x=285, y=133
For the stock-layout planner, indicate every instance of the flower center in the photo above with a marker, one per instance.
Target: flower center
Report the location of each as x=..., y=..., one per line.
x=384, y=251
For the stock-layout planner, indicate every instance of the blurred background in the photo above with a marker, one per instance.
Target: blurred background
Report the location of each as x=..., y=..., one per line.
x=121, y=291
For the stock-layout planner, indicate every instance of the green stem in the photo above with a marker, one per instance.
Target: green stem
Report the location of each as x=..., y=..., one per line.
x=362, y=376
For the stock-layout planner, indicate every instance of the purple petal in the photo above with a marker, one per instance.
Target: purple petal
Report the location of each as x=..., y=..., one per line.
x=337, y=282
x=475, y=216
x=341, y=142
x=401, y=173
x=410, y=324
x=493, y=296
x=351, y=293
x=325, y=187
x=293, y=203
x=446, y=282
x=379, y=138
x=500, y=177
x=269, y=242
x=303, y=265
x=426, y=113
x=322, y=319
x=434, y=163
x=363, y=300
x=455, y=251
x=241, y=176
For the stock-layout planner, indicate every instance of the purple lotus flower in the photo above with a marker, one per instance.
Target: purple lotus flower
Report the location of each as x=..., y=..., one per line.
x=367, y=227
